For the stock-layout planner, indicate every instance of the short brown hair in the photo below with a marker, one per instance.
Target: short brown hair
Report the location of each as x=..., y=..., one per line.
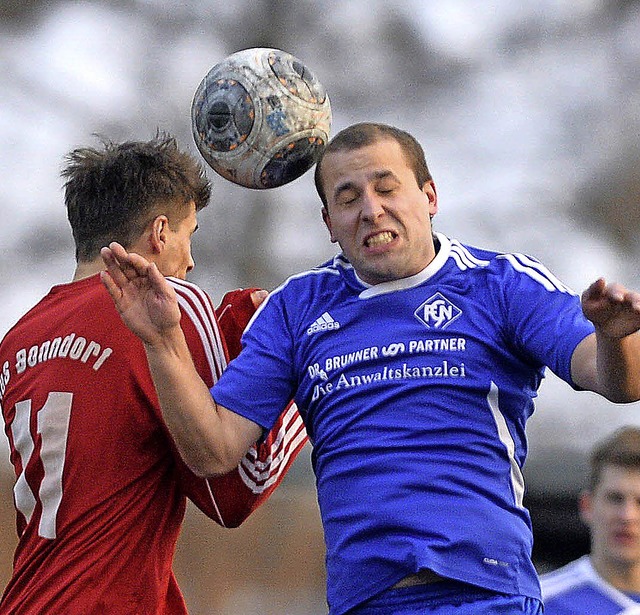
x=113, y=192
x=622, y=449
x=367, y=133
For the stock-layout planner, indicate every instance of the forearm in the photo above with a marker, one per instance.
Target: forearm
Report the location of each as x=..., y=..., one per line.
x=210, y=439
x=608, y=361
x=618, y=367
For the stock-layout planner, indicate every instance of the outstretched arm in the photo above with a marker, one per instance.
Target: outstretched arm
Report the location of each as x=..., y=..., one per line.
x=210, y=438
x=608, y=361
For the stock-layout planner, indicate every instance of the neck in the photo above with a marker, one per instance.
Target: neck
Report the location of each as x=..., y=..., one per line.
x=624, y=577
x=85, y=269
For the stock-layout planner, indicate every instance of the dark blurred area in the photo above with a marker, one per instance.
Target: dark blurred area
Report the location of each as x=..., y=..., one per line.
x=560, y=535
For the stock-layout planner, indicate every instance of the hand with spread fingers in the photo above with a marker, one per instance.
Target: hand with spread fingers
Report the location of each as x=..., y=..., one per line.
x=145, y=300
x=612, y=308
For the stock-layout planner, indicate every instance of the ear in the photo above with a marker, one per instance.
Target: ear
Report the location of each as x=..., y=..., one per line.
x=327, y=220
x=431, y=196
x=157, y=236
x=585, y=506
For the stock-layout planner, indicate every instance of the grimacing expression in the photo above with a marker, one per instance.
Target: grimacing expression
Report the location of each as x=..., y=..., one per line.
x=612, y=512
x=377, y=212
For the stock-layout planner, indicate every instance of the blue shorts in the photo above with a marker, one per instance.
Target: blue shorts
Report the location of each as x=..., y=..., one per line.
x=447, y=598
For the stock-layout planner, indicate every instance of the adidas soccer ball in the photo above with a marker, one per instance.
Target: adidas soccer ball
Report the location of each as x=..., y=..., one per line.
x=260, y=118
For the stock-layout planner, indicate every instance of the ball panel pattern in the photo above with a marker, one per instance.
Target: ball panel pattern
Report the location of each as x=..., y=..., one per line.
x=261, y=118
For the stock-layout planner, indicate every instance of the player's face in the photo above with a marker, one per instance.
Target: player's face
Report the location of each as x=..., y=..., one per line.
x=377, y=212
x=612, y=513
x=175, y=259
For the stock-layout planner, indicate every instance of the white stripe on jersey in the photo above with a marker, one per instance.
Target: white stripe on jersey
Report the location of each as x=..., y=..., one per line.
x=573, y=574
x=215, y=505
x=303, y=274
x=290, y=417
x=260, y=475
x=536, y=271
x=196, y=304
x=288, y=437
x=464, y=258
x=580, y=573
x=340, y=260
x=517, y=479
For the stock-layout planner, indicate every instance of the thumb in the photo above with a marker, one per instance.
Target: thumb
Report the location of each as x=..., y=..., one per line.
x=258, y=296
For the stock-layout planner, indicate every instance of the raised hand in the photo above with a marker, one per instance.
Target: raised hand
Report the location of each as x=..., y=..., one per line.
x=258, y=296
x=146, y=302
x=613, y=309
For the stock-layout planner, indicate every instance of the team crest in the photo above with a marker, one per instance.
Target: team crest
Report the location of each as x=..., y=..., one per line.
x=437, y=312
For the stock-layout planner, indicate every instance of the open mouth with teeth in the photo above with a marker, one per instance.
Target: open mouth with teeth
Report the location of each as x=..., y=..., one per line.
x=379, y=239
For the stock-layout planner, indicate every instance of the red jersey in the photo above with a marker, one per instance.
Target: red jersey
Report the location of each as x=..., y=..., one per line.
x=100, y=490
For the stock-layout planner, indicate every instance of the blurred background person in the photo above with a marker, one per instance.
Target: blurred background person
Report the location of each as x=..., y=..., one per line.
x=606, y=581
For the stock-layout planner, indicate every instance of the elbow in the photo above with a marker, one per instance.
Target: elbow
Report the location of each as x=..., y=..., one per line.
x=210, y=465
x=218, y=450
x=624, y=399
x=619, y=395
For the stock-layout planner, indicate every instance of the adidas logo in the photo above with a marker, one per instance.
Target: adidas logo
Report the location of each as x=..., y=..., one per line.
x=324, y=323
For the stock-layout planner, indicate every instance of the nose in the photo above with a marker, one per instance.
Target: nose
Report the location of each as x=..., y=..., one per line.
x=371, y=206
x=630, y=510
x=191, y=264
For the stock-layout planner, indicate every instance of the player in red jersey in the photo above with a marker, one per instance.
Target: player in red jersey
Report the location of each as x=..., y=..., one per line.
x=101, y=491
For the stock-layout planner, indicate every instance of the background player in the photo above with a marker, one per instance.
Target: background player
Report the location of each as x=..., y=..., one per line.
x=100, y=491
x=415, y=398
x=607, y=581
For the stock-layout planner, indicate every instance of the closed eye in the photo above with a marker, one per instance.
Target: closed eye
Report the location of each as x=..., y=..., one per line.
x=347, y=197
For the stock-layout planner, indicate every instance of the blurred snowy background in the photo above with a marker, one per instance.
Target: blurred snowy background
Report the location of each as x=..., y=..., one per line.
x=529, y=113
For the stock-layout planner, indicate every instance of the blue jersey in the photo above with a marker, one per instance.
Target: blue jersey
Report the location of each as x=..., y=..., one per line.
x=577, y=589
x=415, y=394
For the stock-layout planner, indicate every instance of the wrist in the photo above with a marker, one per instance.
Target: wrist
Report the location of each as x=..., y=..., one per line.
x=168, y=341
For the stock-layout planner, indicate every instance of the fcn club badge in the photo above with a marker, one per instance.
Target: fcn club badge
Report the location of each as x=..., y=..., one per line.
x=437, y=312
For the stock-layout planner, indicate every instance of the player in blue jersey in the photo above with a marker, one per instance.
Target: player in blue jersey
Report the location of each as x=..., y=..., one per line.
x=414, y=361
x=607, y=581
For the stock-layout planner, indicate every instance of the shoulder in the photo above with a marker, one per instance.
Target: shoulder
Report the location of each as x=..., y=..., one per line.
x=199, y=323
x=574, y=576
x=188, y=291
x=507, y=268
x=299, y=286
x=289, y=304
x=577, y=588
x=532, y=270
x=465, y=255
x=327, y=272
x=193, y=301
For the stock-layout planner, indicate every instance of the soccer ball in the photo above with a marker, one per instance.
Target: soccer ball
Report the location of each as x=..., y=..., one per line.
x=260, y=118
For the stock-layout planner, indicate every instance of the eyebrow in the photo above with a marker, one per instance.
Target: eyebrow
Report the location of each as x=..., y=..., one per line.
x=349, y=185
x=344, y=187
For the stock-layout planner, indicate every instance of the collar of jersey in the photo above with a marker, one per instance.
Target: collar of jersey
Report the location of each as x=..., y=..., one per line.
x=373, y=290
